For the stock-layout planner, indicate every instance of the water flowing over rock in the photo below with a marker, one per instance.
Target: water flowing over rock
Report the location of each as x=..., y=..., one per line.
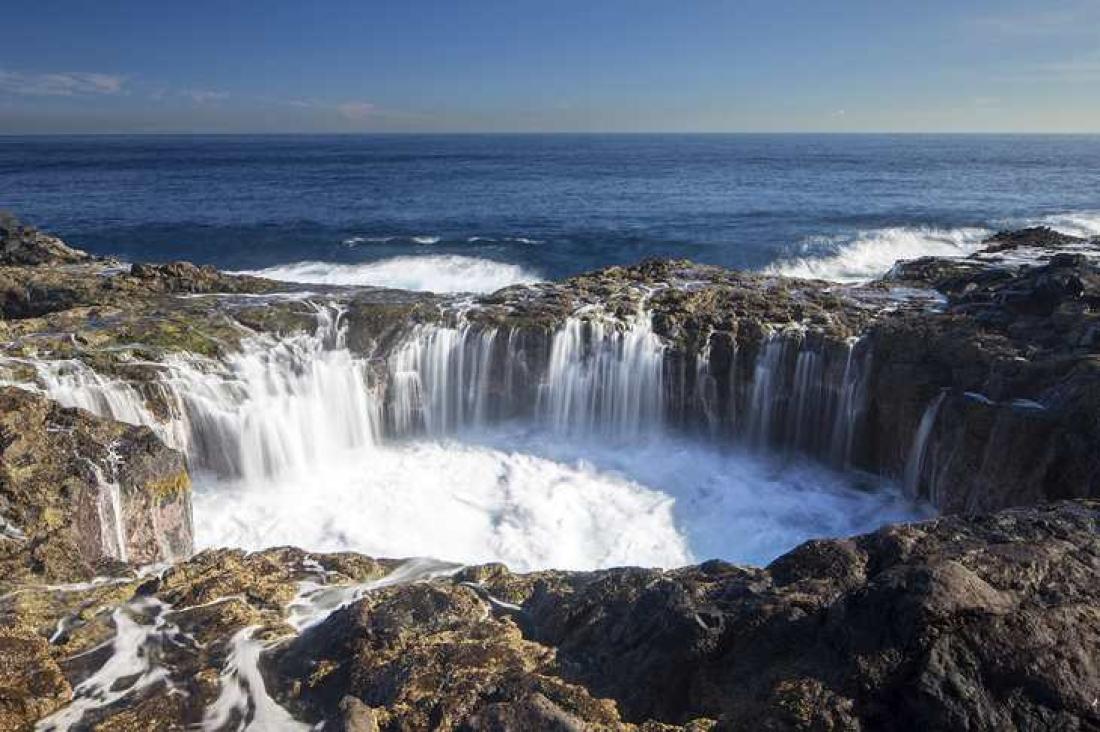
x=841, y=374
x=77, y=491
x=964, y=622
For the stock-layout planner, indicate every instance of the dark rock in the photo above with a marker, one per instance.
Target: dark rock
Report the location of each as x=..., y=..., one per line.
x=185, y=277
x=1038, y=237
x=983, y=622
x=959, y=623
x=21, y=244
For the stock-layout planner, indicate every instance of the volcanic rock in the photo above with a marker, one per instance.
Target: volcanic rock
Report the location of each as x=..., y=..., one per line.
x=78, y=492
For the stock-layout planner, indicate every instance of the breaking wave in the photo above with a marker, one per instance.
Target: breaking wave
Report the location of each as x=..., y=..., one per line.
x=870, y=254
x=1084, y=224
x=436, y=273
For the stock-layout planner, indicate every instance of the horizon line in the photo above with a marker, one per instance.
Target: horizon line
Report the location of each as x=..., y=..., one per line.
x=416, y=133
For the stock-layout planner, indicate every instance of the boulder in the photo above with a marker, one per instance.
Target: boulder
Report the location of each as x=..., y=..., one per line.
x=21, y=244
x=78, y=493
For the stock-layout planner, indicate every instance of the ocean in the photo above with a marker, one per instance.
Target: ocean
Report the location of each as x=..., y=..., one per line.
x=477, y=212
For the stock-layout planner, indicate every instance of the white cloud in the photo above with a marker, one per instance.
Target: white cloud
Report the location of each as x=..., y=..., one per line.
x=1061, y=21
x=203, y=96
x=357, y=110
x=60, y=84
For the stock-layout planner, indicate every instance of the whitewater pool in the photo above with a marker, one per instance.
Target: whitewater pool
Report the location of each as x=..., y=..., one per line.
x=534, y=501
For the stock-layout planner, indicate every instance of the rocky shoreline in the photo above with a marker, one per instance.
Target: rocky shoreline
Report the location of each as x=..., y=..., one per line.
x=975, y=381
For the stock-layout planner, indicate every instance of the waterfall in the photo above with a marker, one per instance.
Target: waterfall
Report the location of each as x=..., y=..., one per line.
x=285, y=405
x=852, y=403
x=914, y=467
x=441, y=379
x=279, y=405
x=72, y=383
x=601, y=376
x=112, y=521
x=806, y=395
x=604, y=379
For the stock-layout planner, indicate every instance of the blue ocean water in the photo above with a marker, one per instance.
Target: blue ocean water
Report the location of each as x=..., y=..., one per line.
x=358, y=207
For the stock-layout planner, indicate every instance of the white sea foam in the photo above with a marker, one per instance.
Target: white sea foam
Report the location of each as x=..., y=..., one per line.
x=534, y=501
x=1084, y=224
x=436, y=273
x=463, y=502
x=505, y=240
x=870, y=254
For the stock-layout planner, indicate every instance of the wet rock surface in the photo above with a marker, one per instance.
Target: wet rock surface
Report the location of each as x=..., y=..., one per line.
x=987, y=622
x=1016, y=354
x=78, y=493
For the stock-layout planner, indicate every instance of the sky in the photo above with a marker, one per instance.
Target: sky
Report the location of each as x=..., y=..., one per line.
x=558, y=66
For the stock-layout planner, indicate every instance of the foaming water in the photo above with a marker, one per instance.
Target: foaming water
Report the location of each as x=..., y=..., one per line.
x=535, y=501
x=465, y=502
x=870, y=254
x=1084, y=224
x=435, y=273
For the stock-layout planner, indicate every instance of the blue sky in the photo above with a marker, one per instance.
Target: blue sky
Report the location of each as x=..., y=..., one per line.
x=558, y=65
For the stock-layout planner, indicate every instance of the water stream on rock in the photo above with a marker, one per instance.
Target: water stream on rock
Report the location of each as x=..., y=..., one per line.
x=575, y=449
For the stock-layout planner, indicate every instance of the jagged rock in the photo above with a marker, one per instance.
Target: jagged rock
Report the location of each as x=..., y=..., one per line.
x=1039, y=237
x=21, y=244
x=959, y=623
x=984, y=622
x=65, y=475
x=187, y=277
x=31, y=683
x=1017, y=350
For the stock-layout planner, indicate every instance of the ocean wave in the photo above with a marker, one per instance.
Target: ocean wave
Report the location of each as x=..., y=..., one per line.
x=436, y=273
x=503, y=239
x=355, y=241
x=1084, y=224
x=422, y=239
x=870, y=254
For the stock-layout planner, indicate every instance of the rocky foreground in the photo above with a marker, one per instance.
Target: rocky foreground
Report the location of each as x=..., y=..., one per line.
x=974, y=380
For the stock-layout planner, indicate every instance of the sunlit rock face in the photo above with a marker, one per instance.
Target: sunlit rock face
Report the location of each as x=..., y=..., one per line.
x=79, y=491
x=851, y=633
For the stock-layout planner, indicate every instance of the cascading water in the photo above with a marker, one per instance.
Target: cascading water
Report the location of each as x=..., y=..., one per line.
x=441, y=379
x=915, y=465
x=605, y=380
x=807, y=396
x=279, y=406
x=112, y=521
x=288, y=438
